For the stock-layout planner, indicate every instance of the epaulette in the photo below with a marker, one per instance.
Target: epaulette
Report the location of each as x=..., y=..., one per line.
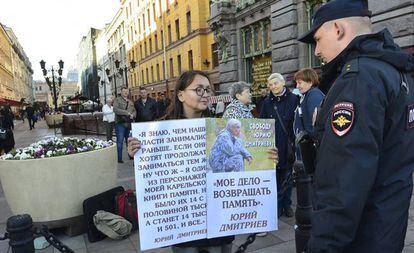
x=350, y=67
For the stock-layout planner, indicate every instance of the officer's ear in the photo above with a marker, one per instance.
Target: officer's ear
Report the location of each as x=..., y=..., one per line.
x=339, y=30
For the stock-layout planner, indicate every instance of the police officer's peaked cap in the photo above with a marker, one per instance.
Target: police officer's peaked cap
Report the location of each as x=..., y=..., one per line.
x=335, y=9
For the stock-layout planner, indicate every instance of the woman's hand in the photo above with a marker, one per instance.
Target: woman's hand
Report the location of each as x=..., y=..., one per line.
x=273, y=154
x=133, y=146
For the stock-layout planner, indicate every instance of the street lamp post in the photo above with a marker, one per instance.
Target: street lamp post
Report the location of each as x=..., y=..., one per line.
x=52, y=85
x=125, y=69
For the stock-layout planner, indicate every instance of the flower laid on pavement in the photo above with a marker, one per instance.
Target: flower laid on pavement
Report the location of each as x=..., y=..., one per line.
x=56, y=147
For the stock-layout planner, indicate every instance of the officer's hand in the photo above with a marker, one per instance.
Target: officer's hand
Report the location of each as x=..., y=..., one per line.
x=133, y=146
x=273, y=155
x=249, y=159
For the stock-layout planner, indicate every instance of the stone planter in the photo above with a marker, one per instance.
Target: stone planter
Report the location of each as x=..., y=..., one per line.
x=53, y=189
x=54, y=120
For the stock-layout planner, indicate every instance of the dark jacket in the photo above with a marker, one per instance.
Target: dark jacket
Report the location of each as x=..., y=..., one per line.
x=286, y=105
x=147, y=111
x=6, y=118
x=30, y=111
x=311, y=100
x=363, y=180
x=161, y=107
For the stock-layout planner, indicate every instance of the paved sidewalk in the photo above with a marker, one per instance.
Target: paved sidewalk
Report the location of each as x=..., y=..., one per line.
x=281, y=241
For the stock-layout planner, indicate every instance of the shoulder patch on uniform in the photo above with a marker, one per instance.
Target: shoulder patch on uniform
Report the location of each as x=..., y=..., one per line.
x=350, y=67
x=410, y=116
x=342, y=118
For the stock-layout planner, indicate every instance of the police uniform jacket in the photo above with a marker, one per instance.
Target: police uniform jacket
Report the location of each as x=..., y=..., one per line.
x=363, y=180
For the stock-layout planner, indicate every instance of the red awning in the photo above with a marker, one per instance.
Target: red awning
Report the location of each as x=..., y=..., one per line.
x=5, y=101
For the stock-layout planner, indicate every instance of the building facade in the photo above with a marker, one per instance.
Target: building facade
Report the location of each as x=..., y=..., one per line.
x=16, y=81
x=165, y=38
x=258, y=37
x=87, y=65
x=115, y=36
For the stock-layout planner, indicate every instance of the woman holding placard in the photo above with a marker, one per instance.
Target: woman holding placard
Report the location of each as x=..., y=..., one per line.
x=190, y=101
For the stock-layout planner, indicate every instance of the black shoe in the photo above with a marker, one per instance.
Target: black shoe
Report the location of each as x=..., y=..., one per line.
x=288, y=212
x=120, y=161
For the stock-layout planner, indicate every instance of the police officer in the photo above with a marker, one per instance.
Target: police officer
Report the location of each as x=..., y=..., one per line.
x=365, y=134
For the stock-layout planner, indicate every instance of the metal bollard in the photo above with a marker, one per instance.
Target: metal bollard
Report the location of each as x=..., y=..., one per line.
x=304, y=206
x=20, y=233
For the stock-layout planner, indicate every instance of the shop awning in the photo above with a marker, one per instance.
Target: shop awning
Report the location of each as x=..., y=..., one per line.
x=5, y=101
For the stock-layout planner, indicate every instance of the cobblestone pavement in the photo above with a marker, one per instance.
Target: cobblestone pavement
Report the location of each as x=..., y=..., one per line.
x=278, y=241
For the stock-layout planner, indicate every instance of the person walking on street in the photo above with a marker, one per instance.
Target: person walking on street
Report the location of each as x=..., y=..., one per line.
x=124, y=115
x=280, y=105
x=145, y=107
x=30, y=112
x=109, y=117
x=364, y=134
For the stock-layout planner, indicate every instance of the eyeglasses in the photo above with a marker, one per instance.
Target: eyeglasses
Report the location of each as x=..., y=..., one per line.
x=200, y=91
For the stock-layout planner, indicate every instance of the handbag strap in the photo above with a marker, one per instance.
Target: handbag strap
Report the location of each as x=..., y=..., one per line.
x=282, y=125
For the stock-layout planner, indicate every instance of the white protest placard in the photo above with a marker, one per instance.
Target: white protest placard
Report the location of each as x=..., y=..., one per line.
x=203, y=178
x=171, y=182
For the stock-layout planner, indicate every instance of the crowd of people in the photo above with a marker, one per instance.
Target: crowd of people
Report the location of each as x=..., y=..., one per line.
x=361, y=124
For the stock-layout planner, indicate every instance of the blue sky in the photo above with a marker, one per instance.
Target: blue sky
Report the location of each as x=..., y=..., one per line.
x=52, y=29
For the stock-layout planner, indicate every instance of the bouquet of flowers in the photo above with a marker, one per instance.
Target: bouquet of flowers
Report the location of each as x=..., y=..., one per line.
x=53, y=147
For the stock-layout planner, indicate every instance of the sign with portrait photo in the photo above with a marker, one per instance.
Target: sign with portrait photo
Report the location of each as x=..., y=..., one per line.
x=204, y=178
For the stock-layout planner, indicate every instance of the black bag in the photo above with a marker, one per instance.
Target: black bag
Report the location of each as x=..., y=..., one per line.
x=103, y=201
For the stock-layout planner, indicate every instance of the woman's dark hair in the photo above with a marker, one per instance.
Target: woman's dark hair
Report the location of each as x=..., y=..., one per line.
x=175, y=109
x=308, y=75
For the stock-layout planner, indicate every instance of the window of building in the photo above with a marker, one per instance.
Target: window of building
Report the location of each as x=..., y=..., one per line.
x=171, y=67
x=146, y=72
x=149, y=17
x=145, y=48
x=150, y=45
x=152, y=74
x=139, y=26
x=153, y=12
x=140, y=51
x=188, y=22
x=142, y=77
x=158, y=71
x=190, y=60
x=169, y=34
x=160, y=7
x=179, y=64
x=215, y=55
x=267, y=35
x=156, y=42
x=162, y=39
x=177, y=28
x=256, y=38
x=143, y=21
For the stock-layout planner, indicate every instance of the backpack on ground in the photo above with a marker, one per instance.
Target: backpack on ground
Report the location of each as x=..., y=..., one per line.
x=126, y=206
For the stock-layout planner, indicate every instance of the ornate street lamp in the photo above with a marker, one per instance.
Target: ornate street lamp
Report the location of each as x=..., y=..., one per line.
x=125, y=69
x=53, y=86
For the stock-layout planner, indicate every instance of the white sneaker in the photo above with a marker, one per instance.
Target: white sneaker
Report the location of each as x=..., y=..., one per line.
x=261, y=234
